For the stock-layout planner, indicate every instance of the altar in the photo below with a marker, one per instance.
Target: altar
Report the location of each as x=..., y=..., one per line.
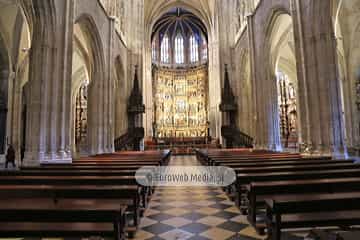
x=180, y=109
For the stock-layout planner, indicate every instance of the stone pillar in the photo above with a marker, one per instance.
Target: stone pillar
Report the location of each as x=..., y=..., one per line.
x=110, y=86
x=319, y=91
x=302, y=89
x=48, y=114
x=259, y=140
x=4, y=79
x=214, y=79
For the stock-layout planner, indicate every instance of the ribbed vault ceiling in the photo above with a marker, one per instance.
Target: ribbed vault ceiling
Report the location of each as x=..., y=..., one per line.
x=179, y=20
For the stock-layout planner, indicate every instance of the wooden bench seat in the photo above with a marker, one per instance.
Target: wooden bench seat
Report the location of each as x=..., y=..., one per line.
x=216, y=161
x=150, y=163
x=125, y=194
x=102, y=167
x=110, y=177
x=69, y=172
x=235, y=160
x=55, y=230
x=244, y=179
x=76, y=181
x=75, y=211
x=291, y=167
x=317, y=210
x=259, y=191
x=312, y=167
x=116, y=160
x=281, y=163
x=69, y=180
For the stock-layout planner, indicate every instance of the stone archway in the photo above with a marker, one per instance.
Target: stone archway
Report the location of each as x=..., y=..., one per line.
x=210, y=19
x=93, y=65
x=279, y=58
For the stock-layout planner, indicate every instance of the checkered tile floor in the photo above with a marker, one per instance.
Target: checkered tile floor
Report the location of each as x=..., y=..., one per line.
x=194, y=213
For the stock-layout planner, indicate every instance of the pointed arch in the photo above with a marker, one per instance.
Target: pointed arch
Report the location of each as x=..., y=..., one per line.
x=96, y=88
x=92, y=35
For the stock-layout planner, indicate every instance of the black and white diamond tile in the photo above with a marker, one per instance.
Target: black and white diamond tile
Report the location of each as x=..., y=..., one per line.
x=194, y=213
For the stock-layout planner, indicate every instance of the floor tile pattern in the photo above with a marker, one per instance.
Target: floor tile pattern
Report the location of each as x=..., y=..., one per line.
x=186, y=213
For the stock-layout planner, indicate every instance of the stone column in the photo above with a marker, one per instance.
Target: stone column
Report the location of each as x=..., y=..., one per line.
x=4, y=116
x=48, y=115
x=319, y=90
x=258, y=129
x=109, y=125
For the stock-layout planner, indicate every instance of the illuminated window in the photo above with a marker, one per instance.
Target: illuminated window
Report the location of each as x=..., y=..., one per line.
x=179, y=49
x=204, y=51
x=153, y=53
x=165, y=50
x=194, y=49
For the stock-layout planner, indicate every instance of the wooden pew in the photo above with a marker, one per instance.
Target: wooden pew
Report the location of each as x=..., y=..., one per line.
x=124, y=195
x=69, y=180
x=317, y=210
x=84, y=179
x=234, y=159
x=92, y=175
x=258, y=191
x=293, y=166
x=150, y=163
x=286, y=168
x=69, y=172
x=262, y=159
x=87, y=167
x=282, y=163
x=46, y=210
x=244, y=179
x=270, y=166
x=224, y=155
x=205, y=156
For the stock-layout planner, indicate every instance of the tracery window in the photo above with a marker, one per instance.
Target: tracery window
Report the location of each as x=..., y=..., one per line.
x=179, y=49
x=194, y=49
x=165, y=50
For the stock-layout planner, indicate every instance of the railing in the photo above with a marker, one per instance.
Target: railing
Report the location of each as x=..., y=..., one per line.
x=235, y=138
x=127, y=140
x=122, y=142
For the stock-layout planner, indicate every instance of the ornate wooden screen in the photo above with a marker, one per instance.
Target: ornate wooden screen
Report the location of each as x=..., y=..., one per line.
x=81, y=116
x=181, y=102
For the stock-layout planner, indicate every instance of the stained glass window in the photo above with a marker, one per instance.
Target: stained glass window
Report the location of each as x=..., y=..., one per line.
x=179, y=49
x=165, y=50
x=194, y=49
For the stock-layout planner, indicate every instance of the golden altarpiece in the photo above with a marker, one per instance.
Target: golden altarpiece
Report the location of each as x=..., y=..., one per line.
x=181, y=102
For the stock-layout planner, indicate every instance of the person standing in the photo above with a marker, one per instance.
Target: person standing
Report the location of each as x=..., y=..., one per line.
x=10, y=156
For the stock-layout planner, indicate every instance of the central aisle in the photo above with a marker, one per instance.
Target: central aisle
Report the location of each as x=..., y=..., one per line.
x=193, y=213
